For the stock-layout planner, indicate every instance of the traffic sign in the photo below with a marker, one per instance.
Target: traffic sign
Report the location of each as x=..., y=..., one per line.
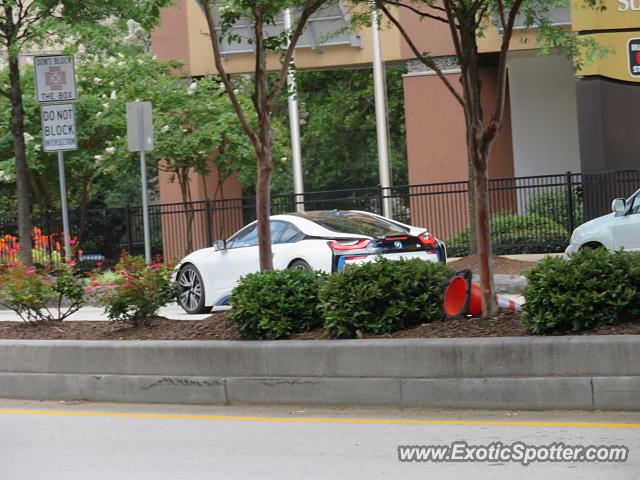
x=55, y=78
x=58, y=127
x=139, y=126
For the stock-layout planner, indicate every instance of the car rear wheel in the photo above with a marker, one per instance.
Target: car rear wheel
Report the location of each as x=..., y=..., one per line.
x=301, y=265
x=192, y=297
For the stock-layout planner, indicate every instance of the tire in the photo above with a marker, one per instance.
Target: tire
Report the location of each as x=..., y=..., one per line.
x=300, y=265
x=192, y=297
x=592, y=246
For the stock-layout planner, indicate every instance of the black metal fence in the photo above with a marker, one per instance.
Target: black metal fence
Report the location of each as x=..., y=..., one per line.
x=529, y=214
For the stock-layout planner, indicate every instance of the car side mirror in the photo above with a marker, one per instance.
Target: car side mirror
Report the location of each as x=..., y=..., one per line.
x=220, y=245
x=619, y=205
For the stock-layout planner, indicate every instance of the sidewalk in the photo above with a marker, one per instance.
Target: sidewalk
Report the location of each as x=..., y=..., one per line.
x=172, y=312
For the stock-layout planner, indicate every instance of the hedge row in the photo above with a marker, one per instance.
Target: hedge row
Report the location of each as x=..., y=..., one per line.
x=377, y=297
x=595, y=288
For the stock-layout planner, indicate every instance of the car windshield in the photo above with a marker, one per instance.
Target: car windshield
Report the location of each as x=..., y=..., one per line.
x=354, y=223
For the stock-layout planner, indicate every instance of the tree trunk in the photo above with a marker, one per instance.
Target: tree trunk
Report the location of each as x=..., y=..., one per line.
x=473, y=237
x=22, y=178
x=263, y=207
x=484, y=234
x=185, y=191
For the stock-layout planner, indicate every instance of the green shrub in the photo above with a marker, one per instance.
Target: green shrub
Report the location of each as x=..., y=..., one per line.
x=276, y=304
x=594, y=288
x=554, y=204
x=510, y=230
x=38, y=295
x=138, y=291
x=382, y=296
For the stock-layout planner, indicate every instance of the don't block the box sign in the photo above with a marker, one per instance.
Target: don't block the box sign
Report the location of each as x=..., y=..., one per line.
x=55, y=78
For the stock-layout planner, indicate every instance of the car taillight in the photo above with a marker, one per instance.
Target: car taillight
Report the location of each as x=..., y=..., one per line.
x=427, y=239
x=349, y=246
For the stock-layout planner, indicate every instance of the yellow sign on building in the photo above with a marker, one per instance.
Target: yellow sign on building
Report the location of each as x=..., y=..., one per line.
x=606, y=27
x=623, y=63
x=618, y=14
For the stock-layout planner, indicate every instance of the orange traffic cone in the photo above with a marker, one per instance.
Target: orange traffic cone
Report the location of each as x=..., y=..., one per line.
x=457, y=295
x=461, y=297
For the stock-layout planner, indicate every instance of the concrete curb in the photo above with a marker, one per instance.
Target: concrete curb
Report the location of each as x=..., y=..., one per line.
x=587, y=373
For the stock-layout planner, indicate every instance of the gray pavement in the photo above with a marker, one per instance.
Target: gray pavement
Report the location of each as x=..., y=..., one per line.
x=172, y=311
x=69, y=440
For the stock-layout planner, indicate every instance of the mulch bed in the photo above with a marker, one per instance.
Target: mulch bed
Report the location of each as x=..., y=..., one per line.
x=217, y=327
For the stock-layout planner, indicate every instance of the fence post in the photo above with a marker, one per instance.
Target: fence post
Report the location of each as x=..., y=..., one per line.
x=380, y=200
x=209, y=225
x=128, y=228
x=570, y=214
x=292, y=202
x=47, y=226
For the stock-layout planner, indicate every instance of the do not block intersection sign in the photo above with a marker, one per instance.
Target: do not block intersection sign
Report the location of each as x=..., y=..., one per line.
x=58, y=127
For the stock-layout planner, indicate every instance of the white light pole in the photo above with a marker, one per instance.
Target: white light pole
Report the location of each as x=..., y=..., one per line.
x=381, y=116
x=294, y=125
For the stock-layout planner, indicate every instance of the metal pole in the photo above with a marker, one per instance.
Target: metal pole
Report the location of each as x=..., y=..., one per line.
x=294, y=125
x=381, y=116
x=145, y=195
x=63, y=204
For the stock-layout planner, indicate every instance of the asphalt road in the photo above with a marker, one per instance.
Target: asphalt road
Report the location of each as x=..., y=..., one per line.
x=91, y=441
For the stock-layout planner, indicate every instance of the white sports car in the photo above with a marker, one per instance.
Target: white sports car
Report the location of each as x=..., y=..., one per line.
x=319, y=240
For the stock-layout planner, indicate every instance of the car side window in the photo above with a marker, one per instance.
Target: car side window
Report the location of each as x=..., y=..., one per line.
x=288, y=234
x=635, y=206
x=277, y=227
x=246, y=238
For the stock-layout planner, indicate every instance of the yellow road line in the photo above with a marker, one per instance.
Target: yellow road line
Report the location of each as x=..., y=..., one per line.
x=332, y=420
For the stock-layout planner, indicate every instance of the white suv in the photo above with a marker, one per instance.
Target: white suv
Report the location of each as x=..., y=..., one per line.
x=620, y=229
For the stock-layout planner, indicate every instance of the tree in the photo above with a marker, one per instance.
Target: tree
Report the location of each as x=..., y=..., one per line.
x=343, y=155
x=467, y=21
x=194, y=124
x=197, y=126
x=27, y=23
x=259, y=14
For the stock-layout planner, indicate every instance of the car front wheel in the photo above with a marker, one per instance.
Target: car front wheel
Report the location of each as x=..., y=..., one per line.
x=192, y=296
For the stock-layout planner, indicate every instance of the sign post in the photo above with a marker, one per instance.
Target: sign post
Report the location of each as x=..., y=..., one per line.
x=58, y=135
x=56, y=82
x=140, y=139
